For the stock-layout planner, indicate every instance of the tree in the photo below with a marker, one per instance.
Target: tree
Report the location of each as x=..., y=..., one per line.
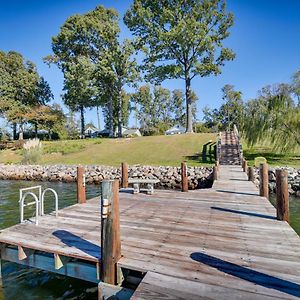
x=274, y=117
x=158, y=109
x=295, y=85
x=47, y=117
x=21, y=88
x=181, y=39
x=95, y=64
x=230, y=112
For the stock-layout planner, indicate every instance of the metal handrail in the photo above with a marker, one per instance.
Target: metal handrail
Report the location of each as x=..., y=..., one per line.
x=22, y=205
x=56, y=201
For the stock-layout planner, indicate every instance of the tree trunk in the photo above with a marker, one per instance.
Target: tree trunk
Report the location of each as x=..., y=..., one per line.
x=36, y=130
x=188, y=99
x=82, y=121
x=21, y=132
x=14, y=131
x=120, y=113
x=110, y=109
x=98, y=118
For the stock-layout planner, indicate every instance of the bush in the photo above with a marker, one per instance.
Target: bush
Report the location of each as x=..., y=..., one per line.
x=32, y=151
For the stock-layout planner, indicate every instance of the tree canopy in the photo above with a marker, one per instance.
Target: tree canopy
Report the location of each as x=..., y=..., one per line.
x=181, y=39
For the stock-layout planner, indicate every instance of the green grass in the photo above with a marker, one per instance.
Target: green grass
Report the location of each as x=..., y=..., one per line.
x=273, y=158
x=152, y=150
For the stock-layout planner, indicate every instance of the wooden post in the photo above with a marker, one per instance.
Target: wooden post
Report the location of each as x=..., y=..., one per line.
x=217, y=164
x=282, y=195
x=81, y=197
x=184, y=178
x=110, y=231
x=245, y=166
x=251, y=174
x=215, y=173
x=264, y=180
x=124, y=174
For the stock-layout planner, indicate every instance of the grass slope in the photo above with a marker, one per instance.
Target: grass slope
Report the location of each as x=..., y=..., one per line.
x=152, y=150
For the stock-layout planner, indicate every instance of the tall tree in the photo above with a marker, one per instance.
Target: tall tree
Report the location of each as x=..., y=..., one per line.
x=274, y=117
x=181, y=39
x=230, y=112
x=21, y=88
x=95, y=64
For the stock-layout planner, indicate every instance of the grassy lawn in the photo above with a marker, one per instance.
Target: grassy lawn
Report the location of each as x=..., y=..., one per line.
x=273, y=159
x=153, y=150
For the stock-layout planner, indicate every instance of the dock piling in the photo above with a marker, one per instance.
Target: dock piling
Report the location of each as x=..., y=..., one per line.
x=264, y=180
x=251, y=174
x=110, y=231
x=245, y=165
x=184, y=178
x=215, y=173
x=124, y=174
x=282, y=195
x=81, y=197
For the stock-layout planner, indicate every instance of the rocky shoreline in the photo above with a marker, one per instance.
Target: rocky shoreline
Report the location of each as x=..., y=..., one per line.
x=170, y=178
x=293, y=179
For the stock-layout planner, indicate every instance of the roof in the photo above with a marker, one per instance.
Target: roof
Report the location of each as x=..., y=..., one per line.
x=132, y=131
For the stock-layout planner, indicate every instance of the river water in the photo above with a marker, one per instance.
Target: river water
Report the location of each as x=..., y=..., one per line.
x=28, y=283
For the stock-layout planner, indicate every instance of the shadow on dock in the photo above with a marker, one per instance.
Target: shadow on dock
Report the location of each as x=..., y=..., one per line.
x=239, y=193
x=255, y=277
x=76, y=241
x=241, y=212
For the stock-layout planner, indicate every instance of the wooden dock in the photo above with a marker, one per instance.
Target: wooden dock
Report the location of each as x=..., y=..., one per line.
x=219, y=243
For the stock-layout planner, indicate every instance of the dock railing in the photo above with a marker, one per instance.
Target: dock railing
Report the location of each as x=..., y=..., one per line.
x=39, y=198
x=238, y=139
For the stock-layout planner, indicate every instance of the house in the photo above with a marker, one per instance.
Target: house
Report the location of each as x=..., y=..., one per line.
x=132, y=132
x=177, y=129
x=90, y=128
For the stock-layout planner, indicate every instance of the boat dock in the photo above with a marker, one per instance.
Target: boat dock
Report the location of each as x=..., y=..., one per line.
x=218, y=243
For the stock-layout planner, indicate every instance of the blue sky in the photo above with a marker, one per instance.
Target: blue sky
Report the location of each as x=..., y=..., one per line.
x=265, y=37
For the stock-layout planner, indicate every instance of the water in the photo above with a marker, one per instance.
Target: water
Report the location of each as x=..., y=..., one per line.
x=29, y=283
x=294, y=207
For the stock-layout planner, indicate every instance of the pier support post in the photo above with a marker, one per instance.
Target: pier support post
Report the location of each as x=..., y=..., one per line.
x=215, y=173
x=110, y=231
x=282, y=195
x=245, y=165
x=81, y=197
x=264, y=180
x=251, y=174
x=184, y=178
x=124, y=174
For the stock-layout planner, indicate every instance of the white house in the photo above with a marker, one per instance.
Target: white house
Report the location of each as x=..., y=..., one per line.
x=177, y=129
x=132, y=132
x=90, y=129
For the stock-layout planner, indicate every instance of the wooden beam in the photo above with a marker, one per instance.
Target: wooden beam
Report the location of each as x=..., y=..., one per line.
x=264, y=180
x=215, y=173
x=110, y=229
x=184, y=178
x=245, y=165
x=81, y=197
x=282, y=195
x=24, y=253
x=124, y=174
x=76, y=269
x=251, y=174
x=60, y=261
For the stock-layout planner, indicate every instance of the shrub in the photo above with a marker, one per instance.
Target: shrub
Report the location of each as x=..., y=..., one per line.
x=32, y=151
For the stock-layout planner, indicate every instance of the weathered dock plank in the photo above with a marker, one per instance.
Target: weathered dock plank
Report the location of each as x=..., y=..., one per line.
x=219, y=243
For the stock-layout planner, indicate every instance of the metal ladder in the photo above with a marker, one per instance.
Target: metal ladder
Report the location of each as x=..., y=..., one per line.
x=39, y=199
